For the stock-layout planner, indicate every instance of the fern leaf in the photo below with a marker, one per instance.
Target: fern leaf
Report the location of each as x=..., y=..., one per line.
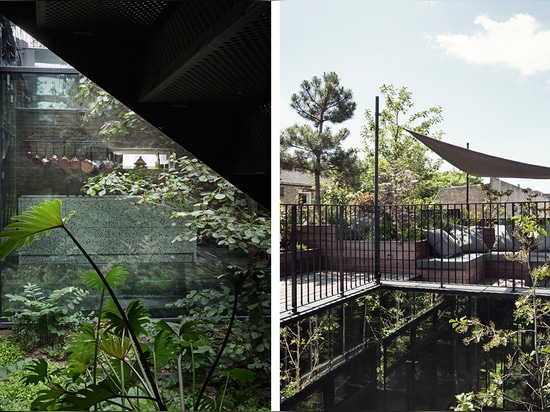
x=31, y=225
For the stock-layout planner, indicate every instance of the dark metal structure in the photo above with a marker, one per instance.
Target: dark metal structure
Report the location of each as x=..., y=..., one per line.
x=200, y=71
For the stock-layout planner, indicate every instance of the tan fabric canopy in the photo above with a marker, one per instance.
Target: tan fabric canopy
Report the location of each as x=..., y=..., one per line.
x=480, y=164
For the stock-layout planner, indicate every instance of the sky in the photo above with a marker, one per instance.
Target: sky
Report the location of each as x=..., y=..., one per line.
x=486, y=63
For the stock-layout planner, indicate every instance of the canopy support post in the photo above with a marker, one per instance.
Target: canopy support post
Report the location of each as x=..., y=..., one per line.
x=376, y=205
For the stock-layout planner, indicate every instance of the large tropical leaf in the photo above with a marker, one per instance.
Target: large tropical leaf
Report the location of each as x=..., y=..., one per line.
x=48, y=399
x=164, y=348
x=31, y=225
x=37, y=372
x=81, y=348
x=86, y=398
x=185, y=330
x=114, y=345
x=116, y=276
x=137, y=313
x=239, y=374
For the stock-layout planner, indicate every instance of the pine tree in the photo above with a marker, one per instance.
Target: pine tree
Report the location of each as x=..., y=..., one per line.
x=314, y=148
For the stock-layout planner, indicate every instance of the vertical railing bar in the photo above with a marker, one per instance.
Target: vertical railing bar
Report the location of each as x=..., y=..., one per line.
x=334, y=251
x=294, y=225
x=305, y=221
x=514, y=265
x=441, y=260
x=341, y=251
x=400, y=264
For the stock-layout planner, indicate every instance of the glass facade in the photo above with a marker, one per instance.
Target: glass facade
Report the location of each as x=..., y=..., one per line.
x=54, y=138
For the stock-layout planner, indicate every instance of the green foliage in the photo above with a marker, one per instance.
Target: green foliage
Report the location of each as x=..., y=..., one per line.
x=15, y=395
x=528, y=339
x=214, y=208
x=315, y=148
x=10, y=352
x=404, y=164
x=92, y=376
x=249, y=344
x=117, y=121
x=247, y=347
x=31, y=225
x=40, y=319
x=215, y=211
x=323, y=100
x=300, y=341
x=116, y=360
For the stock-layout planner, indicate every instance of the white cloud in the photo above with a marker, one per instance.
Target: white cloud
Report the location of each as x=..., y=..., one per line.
x=518, y=43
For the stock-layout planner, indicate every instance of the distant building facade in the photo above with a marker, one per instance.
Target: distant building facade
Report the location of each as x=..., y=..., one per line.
x=475, y=194
x=296, y=187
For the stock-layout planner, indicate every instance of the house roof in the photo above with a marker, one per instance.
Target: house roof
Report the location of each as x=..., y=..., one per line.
x=457, y=195
x=296, y=178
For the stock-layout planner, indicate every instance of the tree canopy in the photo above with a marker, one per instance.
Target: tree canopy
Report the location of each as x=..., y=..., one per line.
x=405, y=165
x=317, y=149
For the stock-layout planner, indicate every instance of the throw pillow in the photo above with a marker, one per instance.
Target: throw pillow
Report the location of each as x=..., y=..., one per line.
x=469, y=238
x=504, y=241
x=442, y=243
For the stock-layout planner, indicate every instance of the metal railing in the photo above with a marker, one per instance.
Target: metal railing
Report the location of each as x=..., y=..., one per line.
x=328, y=251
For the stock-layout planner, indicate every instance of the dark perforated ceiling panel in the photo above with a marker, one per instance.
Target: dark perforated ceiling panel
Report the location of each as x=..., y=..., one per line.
x=198, y=70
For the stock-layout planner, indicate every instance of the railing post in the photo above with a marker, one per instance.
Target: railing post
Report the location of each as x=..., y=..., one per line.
x=441, y=226
x=293, y=247
x=377, y=273
x=340, y=244
x=513, y=248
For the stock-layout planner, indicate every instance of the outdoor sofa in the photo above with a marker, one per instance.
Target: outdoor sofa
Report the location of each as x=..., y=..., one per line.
x=468, y=254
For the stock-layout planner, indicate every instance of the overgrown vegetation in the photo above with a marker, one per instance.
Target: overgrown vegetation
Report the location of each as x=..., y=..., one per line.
x=527, y=341
x=39, y=319
x=123, y=357
x=310, y=346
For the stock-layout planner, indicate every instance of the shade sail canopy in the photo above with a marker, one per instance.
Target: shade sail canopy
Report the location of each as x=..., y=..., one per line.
x=480, y=164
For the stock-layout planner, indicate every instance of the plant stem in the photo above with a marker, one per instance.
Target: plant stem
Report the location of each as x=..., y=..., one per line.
x=96, y=348
x=124, y=317
x=180, y=380
x=219, y=355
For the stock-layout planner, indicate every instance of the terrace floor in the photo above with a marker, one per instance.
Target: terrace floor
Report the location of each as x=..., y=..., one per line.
x=320, y=289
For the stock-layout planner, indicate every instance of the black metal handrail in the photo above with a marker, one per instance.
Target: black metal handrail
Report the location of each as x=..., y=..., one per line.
x=329, y=251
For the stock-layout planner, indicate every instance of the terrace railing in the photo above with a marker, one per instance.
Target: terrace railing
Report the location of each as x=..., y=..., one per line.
x=329, y=251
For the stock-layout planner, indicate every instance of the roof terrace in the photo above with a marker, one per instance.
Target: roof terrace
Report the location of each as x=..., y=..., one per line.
x=332, y=253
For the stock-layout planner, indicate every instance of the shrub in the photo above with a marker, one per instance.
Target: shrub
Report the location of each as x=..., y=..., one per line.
x=15, y=395
x=10, y=352
x=42, y=320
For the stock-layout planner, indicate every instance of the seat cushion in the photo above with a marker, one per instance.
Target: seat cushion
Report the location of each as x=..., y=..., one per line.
x=504, y=240
x=443, y=244
x=469, y=238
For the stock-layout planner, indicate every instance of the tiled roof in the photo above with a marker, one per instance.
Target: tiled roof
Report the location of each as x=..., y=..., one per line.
x=453, y=195
x=293, y=177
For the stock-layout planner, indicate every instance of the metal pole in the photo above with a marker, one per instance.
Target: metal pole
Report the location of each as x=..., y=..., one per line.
x=468, y=191
x=340, y=246
x=376, y=205
x=467, y=181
